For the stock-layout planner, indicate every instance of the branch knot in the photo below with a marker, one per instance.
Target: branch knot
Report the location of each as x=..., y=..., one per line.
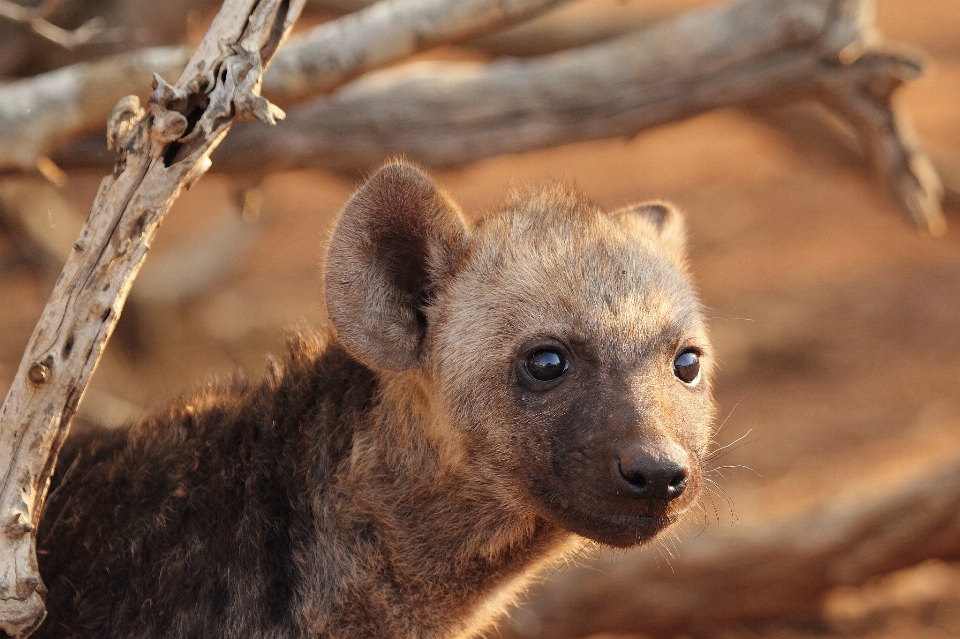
x=123, y=122
x=165, y=104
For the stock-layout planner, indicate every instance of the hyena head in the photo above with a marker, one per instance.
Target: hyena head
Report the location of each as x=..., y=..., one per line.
x=563, y=346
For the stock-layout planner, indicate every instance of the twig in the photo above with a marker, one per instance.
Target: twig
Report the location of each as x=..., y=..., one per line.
x=163, y=149
x=93, y=30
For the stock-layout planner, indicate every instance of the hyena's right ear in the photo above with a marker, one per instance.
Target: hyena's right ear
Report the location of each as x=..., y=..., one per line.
x=396, y=242
x=660, y=221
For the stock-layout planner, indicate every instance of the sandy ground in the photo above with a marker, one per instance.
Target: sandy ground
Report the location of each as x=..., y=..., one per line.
x=836, y=323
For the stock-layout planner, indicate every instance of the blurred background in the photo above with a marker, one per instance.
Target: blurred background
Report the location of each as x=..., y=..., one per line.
x=835, y=321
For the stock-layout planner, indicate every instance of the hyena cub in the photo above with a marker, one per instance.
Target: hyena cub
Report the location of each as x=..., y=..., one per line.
x=488, y=395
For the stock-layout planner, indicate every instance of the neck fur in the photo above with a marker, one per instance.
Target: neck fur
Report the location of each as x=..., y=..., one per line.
x=457, y=542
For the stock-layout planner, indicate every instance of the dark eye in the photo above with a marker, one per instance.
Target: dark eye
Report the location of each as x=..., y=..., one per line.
x=687, y=367
x=546, y=365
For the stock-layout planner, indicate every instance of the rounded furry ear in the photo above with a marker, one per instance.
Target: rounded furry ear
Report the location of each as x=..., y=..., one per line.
x=396, y=242
x=661, y=222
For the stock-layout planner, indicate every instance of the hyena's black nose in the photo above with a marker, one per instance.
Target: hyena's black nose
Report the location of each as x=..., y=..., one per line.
x=650, y=476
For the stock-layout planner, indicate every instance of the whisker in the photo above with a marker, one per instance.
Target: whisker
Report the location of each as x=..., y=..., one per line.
x=731, y=466
x=713, y=456
x=718, y=470
x=703, y=520
x=739, y=439
x=713, y=505
x=721, y=493
x=665, y=558
x=727, y=418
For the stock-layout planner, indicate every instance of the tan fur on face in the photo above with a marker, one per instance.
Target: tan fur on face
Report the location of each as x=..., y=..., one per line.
x=553, y=266
x=552, y=262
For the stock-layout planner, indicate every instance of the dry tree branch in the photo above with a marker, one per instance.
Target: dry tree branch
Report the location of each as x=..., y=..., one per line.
x=583, y=23
x=340, y=50
x=163, y=149
x=339, y=6
x=92, y=30
x=754, y=51
x=757, y=50
x=38, y=113
x=887, y=135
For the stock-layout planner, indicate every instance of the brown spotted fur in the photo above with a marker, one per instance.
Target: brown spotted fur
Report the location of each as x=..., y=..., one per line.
x=391, y=477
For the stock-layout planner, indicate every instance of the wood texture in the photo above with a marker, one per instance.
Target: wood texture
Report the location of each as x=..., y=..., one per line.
x=38, y=113
x=163, y=148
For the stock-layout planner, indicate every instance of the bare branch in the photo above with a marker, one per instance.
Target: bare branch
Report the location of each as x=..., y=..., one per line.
x=758, y=50
x=450, y=113
x=340, y=50
x=887, y=135
x=161, y=152
x=37, y=114
x=574, y=25
x=339, y=6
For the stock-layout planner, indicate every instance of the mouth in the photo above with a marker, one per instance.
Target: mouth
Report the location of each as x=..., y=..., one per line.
x=619, y=530
x=610, y=517
x=624, y=531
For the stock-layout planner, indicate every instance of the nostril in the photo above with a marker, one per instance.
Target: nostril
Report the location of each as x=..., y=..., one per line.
x=635, y=478
x=677, y=485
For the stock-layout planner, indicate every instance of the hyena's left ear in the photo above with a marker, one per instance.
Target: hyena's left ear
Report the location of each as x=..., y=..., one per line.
x=397, y=242
x=661, y=222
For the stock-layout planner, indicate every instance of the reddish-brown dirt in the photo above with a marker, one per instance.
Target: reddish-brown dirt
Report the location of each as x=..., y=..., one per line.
x=837, y=324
